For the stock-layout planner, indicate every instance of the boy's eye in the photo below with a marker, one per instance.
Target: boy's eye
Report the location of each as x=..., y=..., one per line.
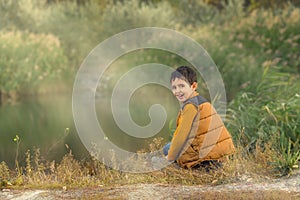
x=178, y=86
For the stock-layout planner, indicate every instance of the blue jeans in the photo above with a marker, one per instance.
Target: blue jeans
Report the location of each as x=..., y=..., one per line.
x=166, y=148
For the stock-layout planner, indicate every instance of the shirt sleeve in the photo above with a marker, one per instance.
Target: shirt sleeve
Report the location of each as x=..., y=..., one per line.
x=182, y=131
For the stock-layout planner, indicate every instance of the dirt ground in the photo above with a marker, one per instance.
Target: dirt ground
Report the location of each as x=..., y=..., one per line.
x=284, y=188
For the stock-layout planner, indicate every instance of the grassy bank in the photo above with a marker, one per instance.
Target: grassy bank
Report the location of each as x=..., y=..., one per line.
x=71, y=173
x=255, y=50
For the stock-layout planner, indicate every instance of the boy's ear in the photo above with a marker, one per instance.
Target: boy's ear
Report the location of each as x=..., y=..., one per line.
x=194, y=85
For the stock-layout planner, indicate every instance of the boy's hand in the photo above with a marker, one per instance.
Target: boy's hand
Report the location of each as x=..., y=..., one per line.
x=166, y=157
x=160, y=162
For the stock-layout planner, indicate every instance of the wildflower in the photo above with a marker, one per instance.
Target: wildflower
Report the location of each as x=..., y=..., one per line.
x=16, y=139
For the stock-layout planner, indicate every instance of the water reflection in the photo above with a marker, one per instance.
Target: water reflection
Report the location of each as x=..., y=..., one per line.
x=140, y=102
x=41, y=123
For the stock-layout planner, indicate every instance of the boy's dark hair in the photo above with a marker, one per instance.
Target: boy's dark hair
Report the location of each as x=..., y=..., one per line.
x=186, y=73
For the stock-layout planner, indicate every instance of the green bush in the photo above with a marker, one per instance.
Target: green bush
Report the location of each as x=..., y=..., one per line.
x=22, y=14
x=79, y=29
x=195, y=13
x=83, y=27
x=27, y=59
x=135, y=14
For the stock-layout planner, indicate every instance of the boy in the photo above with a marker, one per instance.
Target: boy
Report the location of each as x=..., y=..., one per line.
x=200, y=138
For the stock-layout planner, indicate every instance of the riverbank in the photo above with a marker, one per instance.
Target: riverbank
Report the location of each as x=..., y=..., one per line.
x=246, y=187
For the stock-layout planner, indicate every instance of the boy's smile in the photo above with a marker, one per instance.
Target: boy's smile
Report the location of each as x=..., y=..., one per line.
x=182, y=90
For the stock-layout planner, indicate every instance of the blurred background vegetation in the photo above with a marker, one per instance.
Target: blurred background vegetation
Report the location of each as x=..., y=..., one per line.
x=254, y=43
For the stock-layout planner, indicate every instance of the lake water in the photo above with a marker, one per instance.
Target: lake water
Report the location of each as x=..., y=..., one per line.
x=41, y=122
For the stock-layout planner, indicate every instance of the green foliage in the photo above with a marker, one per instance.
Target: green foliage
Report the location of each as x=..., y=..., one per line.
x=22, y=14
x=283, y=121
x=267, y=35
x=289, y=158
x=195, y=13
x=198, y=13
x=79, y=29
x=243, y=44
x=270, y=113
x=134, y=14
x=26, y=59
x=270, y=4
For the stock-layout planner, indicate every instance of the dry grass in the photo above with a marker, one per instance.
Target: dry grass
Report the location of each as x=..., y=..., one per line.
x=91, y=179
x=71, y=173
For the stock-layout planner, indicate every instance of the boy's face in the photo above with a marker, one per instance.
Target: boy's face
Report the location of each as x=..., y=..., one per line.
x=182, y=90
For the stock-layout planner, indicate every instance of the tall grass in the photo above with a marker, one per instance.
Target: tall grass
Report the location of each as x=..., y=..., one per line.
x=269, y=113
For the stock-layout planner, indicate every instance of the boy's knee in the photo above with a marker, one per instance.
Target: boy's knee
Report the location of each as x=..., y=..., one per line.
x=166, y=148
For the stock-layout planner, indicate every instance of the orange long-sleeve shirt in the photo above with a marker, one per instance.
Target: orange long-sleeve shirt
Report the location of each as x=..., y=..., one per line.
x=184, y=125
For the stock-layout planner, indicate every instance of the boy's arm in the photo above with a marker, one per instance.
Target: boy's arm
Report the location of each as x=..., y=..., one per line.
x=182, y=131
